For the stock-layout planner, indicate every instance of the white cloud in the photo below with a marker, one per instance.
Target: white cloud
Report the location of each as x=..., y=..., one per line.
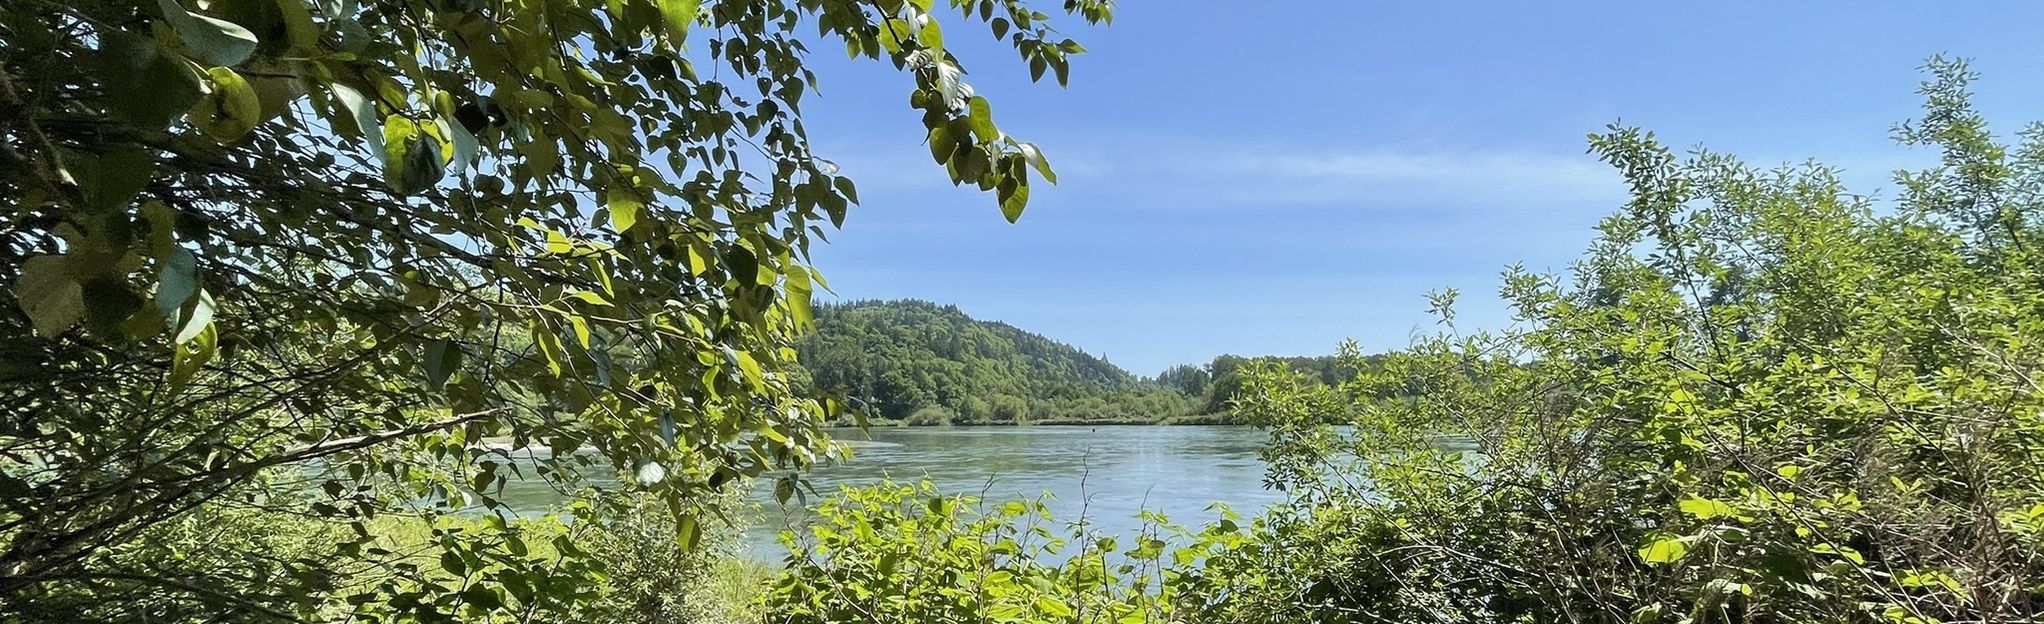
x=1152, y=174
x=1375, y=173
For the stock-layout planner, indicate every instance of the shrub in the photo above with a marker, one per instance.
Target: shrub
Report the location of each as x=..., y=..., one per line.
x=895, y=553
x=932, y=415
x=1760, y=399
x=657, y=572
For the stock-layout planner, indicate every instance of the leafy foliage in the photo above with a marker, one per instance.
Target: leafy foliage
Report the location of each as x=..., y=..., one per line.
x=1761, y=398
x=649, y=577
x=1216, y=385
x=921, y=363
x=340, y=257
x=893, y=553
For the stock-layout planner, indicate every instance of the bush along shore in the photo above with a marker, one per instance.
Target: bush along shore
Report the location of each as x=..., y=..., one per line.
x=1758, y=398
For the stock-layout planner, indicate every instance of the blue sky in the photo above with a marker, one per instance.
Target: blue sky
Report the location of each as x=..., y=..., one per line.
x=1272, y=178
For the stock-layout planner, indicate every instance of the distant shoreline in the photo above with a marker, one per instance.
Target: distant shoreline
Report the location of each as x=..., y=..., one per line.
x=1174, y=421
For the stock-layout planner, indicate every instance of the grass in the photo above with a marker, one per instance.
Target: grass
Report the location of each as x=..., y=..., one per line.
x=733, y=589
x=726, y=592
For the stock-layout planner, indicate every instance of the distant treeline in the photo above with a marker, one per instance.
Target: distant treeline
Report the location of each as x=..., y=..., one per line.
x=1212, y=385
x=921, y=363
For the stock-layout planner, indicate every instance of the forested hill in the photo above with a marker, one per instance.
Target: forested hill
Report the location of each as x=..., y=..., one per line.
x=928, y=364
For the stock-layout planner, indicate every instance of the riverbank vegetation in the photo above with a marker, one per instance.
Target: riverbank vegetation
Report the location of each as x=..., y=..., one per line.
x=290, y=281
x=1760, y=397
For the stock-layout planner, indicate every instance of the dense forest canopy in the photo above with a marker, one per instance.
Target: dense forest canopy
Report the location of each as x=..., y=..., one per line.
x=922, y=363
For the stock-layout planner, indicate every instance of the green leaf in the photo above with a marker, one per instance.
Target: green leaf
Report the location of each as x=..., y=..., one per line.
x=688, y=532
x=423, y=164
x=176, y=283
x=581, y=328
x=1664, y=550
x=230, y=110
x=698, y=259
x=362, y=112
x=1848, y=553
x=589, y=297
x=549, y=347
x=942, y=144
x=847, y=188
x=1035, y=159
x=299, y=28
x=784, y=489
x=110, y=180
x=980, y=114
x=1647, y=614
x=679, y=15
x=1705, y=509
x=201, y=318
x=931, y=36
x=1913, y=578
x=482, y=597
x=624, y=209
x=465, y=146
x=893, y=32
x=192, y=355
x=443, y=357
x=145, y=84
x=452, y=563
x=558, y=244
x=749, y=368
x=49, y=295
x=215, y=41
x=399, y=133
x=1053, y=607
x=744, y=265
x=109, y=304
x=415, y=160
x=800, y=295
x=1014, y=195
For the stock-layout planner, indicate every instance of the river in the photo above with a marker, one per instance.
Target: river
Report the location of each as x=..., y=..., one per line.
x=1110, y=472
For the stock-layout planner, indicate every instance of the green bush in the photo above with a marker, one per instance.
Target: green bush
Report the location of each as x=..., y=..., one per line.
x=932, y=415
x=658, y=572
x=898, y=553
x=1759, y=398
x=626, y=560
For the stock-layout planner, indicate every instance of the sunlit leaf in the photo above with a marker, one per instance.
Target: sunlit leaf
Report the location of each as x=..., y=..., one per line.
x=214, y=41
x=229, y=110
x=49, y=295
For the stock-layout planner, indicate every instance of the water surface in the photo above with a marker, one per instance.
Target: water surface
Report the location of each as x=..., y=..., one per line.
x=1108, y=473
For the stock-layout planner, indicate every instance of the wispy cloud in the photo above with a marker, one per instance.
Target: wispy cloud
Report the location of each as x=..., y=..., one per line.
x=1406, y=175
x=1215, y=173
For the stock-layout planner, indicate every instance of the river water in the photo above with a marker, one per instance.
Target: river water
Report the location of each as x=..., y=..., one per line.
x=1110, y=473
